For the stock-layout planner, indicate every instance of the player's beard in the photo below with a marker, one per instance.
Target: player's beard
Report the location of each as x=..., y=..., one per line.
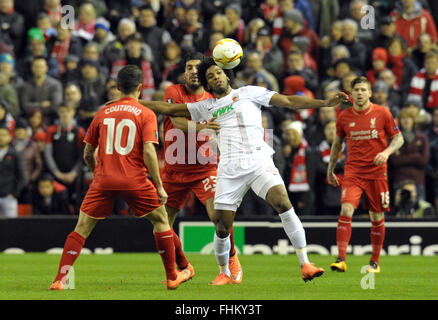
x=219, y=90
x=193, y=85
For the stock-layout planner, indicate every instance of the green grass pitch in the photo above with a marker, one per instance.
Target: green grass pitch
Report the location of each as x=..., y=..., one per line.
x=137, y=276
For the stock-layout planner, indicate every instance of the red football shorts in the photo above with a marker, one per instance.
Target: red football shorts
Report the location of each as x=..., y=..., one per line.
x=98, y=204
x=376, y=193
x=178, y=186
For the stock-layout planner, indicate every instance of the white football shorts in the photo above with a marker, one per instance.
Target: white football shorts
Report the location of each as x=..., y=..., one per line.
x=231, y=190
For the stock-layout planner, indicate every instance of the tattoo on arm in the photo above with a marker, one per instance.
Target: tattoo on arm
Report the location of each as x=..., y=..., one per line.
x=89, y=159
x=396, y=143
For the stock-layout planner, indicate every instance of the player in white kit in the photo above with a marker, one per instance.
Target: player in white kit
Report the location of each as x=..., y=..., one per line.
x=245, y=159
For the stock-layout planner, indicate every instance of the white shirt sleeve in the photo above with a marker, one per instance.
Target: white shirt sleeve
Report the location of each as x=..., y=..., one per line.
x=201, y=110
x=260, y=95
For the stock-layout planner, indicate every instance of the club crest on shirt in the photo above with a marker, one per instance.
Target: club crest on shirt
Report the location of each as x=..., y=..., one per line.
x=235, y=97
x=373, y=123
x=352, y=124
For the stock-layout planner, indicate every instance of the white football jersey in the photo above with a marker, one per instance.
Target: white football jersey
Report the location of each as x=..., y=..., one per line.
x=241, y=134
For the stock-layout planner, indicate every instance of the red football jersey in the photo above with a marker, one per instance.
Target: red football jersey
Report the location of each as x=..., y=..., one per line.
x=178, y=94
x=120, y=130
x=366, y=134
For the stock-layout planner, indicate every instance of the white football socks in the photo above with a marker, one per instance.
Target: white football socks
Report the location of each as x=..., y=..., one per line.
x=295, y=231
x=222, y=248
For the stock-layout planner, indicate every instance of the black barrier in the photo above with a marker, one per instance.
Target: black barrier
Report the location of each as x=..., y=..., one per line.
x=129, y=234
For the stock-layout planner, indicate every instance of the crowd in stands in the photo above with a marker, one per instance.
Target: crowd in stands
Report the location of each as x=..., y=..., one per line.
x=56, y=72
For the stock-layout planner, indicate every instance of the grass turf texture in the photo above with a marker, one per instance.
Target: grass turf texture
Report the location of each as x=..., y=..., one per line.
x=137, y=276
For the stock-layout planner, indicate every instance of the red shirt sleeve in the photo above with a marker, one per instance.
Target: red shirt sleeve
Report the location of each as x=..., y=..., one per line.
x=171, y=95
x=49, y=133
x=150, y=128
x=391, y=127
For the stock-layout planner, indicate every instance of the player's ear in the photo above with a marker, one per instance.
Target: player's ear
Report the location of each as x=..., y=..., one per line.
x=139, y=87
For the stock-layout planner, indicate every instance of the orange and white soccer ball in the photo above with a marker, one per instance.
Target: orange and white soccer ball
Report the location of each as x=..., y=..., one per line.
x=227, y=53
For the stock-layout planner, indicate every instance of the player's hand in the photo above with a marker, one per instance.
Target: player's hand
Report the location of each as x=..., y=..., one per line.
x=162, y=195
x=337, y=99
x=380, y=158
x=332, y=179
x=212, y=125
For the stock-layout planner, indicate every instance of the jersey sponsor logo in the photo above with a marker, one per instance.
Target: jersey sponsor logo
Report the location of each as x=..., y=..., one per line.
x=364, y=135
x=222, y=111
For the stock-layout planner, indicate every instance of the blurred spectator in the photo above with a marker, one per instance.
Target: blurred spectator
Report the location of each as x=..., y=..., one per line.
x=252, y=30
x=357, y=48
x=271, y=10
x=381, y=97
x=293, y=27
x=379, y=59
x=62, y=45
x=12, y=26
x=334, y=36
x=296, y=66
x=84, y=29
x=135, y=56
x=214, y=37
x=387, y=31
x=153, y=35
x=315, y=134
x=424, y=84
x=329, y=13
x=30, y=153
x=401, y=65
x=191, y=33
x=102, y=34
x=329, y=59
x=411, y=20
x=49, y=197
x=12, y=175
x=92, y=83
x=210, y=8
x=91, y=52
x=340, y=69
x=425, y=45
x=72, y=72
x=37, y=48
x=72, y=95
x=254, y=62
x=422, y=117
x=118, y=10
x=115, y=49
x=330, y=197
x=99, y=6
x=6, y=118
x=176, y=18
x=408, y=205
x=42, y=91
x=270, y=54
x=389, y=78
x=86, y=111
x=365, y=35
x=54, y=11
x=296, y=85
x=45, y=25
x=38, y=127
x=7, y=67
x=302, y=44
x=235, y=26
x=411, y=160
x=63, y=150
x=8, y=93
x=172, y=59
x=432, y=166
x=300, y=169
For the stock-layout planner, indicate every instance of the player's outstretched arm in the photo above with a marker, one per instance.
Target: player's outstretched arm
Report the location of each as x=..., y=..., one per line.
x=183, y=124
x=89, y=157
x=300, y=102
x=170, y=109
x=334, y=156
x=151, y=161
x=396, y=143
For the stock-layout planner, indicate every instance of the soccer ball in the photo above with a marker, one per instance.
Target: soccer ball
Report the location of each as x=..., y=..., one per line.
x=227, y=53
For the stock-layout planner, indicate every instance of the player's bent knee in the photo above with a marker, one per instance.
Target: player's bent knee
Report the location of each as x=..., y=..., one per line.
x=159, y=219
x=347, y=210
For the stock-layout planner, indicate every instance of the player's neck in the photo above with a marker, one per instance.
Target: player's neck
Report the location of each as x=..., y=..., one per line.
x=222, y=94
x=131, y=96
x=363, y=107
x=196, y=92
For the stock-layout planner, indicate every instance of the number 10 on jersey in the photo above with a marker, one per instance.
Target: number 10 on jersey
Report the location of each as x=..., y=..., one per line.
x=114, y=135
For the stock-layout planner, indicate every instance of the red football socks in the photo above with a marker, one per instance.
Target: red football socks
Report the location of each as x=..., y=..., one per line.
x=180, y=258
x=166, y=249
x=343, y=235
x=232, y=249
x=72, y=248
x=377, y=236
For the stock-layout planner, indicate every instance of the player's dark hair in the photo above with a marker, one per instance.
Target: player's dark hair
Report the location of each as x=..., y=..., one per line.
x=128, y=78
x=361, y=79
x=204, y=66
x=46, y=177
x=192, y=55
